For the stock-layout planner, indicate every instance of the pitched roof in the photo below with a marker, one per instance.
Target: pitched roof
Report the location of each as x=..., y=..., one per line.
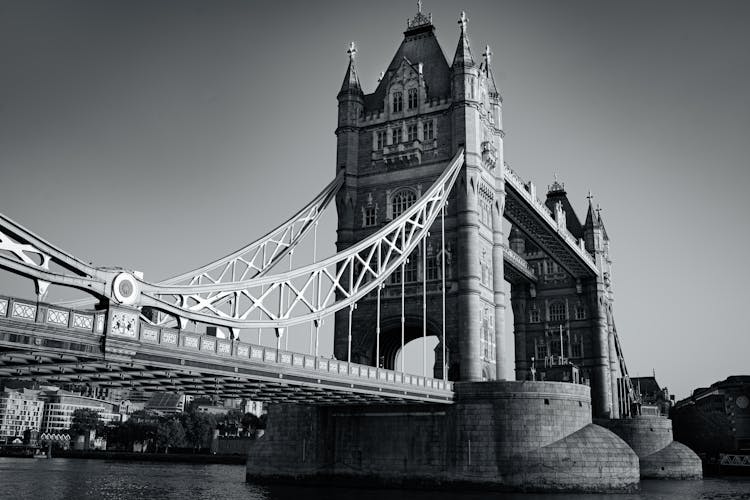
x=419, y=46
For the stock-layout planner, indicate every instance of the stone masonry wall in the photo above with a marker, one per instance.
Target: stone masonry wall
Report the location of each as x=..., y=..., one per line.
x=497, y=435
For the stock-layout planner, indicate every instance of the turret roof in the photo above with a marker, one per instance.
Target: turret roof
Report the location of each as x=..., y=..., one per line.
x=351, y=80
x=463, y=56
x=418, y=46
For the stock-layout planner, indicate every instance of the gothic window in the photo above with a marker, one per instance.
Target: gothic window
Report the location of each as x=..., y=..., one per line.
x=401, y=201
x=580, y=311
x=412, y=98
x=487, y=341
x=541, y=349
x=428, y=131
x=557, y=311
x=398, y=135
x=554, y=347
x=411, y=132
x=371, y=217
x=380, y=139
x=534, y=315
x=485, y=212
x=433, y=266
x=398, y=102
x=410, y=270
x=576, y=348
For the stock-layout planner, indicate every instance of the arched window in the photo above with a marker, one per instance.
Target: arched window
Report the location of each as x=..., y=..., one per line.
x=412, y=98
x=398, y=102
x=557, y=311
x=401, y=201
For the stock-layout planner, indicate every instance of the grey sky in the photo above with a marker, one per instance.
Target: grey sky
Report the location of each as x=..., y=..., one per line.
x=160, y=135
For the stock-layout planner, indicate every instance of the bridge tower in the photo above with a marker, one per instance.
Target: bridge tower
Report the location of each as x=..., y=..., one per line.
x=393, y=143
x=562, y=319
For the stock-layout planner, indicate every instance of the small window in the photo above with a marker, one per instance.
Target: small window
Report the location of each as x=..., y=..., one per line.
x=398, y=102
x=411, y=132
x=433, y=265
x=380, y=139
x=413, y=98
x=541, y=350
x=576, y=348
x=428, y=131
x=580, y=311
x=398, y=135
x=557, y=311
x=534, y=316
x=371, y=217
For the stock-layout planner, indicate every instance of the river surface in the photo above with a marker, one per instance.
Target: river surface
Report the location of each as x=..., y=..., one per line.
x=76, y=479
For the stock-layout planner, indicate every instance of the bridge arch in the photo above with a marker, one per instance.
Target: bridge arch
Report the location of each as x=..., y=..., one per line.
x=390, y=338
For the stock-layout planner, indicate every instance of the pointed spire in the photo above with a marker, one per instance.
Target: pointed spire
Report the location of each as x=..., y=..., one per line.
x=351, y=80
x=592, y=220
x=463, y=55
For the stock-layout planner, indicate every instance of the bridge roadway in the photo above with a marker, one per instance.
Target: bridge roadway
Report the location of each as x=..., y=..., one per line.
x=115, y=348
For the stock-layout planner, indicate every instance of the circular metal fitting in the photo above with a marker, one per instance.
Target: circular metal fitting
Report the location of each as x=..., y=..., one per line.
x=126, y=289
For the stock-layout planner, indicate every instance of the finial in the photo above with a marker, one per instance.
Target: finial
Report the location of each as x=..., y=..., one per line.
x=352, y=50
x=487, y=54
x=598, y=211
x=419, y=18
x=590, y=196
x=381, y=76
x=463, y=21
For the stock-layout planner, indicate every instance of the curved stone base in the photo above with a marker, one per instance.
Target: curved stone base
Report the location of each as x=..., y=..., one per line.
x=675, y=461
x=660, y=456
x=587, y=460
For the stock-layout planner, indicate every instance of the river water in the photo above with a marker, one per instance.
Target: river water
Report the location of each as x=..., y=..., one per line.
x=75, y=479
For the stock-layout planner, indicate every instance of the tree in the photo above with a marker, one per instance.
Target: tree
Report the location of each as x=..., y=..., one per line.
x=250, y=422
x=169, y=433
x=198, y=428
x=84, y=421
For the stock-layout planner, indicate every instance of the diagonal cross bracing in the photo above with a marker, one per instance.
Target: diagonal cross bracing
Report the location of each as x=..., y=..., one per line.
x=387, y=248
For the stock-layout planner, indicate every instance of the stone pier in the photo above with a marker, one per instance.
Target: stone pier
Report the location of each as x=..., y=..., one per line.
x=525, y=436
x=660, y=456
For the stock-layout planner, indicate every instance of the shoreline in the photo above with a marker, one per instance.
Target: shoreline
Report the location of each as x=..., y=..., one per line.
x=194, y=458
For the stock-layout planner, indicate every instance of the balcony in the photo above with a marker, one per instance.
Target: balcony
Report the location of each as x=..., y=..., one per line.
x=403, y=152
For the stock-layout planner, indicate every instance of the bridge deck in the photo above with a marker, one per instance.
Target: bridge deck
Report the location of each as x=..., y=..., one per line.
x=50, y=344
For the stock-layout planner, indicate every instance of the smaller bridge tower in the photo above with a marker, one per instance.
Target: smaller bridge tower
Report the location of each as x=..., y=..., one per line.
x=563, y=320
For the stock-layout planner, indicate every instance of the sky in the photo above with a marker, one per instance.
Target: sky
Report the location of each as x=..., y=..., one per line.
x=160, y=135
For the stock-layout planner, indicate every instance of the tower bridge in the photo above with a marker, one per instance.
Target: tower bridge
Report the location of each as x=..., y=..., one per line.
x=422, y=194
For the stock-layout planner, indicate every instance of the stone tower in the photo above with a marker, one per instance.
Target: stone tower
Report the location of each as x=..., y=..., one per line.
x=393, y=143
x=562, y=320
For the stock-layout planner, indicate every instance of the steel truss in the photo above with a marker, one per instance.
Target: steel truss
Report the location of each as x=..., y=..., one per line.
x=227, y=291
x=315, y=291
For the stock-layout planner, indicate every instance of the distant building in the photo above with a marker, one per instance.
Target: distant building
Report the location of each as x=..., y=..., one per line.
x=20, y=411
x=655, y=400
x=254, y=407
x=60, y=406
x=166, y=402
x=716, y=419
